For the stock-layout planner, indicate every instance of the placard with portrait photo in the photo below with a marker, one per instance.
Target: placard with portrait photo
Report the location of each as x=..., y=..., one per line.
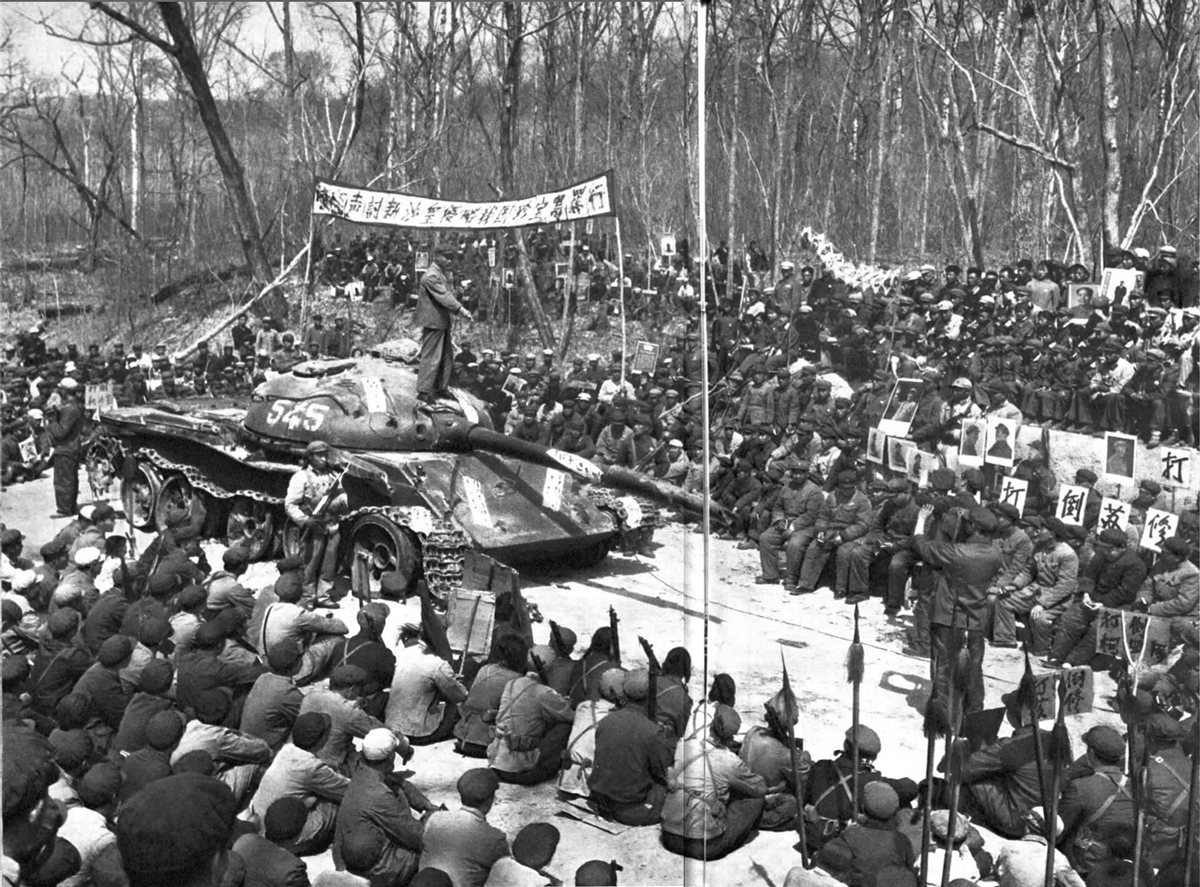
x=1001, y=437
x=901, y=407
x=876, y=440
x=970, y=443
x=1119, y=453
x=1119, y=285
x=897, y=450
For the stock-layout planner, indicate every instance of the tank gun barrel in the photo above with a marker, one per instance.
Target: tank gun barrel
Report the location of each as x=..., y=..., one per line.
x=615, y=476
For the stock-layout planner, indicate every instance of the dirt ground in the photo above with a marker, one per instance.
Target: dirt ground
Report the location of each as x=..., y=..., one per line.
x=663, y=598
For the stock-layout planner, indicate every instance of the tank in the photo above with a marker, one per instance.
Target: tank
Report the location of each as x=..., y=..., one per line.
x=425, y=484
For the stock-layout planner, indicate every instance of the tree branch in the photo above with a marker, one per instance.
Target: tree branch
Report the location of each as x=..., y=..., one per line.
x=1025, y=145
x=169, y=48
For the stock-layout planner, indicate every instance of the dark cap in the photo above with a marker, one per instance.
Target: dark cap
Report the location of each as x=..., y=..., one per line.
x=1086, y=474
x=1161, y=727
x=285, y=819
x=212, y=706
x=1006, y=509
x=162, y=584
x=1177, y=546
x=347, y=675
x=1150, y=486
x=847, y=477
x=157, y=676
x=1105, y=742
x=63, y=622
x=100, y=785
x=203, y=810
x=191, y=597
x=1113, y=537
x=289, y=563
x=71, y=747
x=164, y=730
x=114, y=651
x=941, y=479
x=477, y=786
x=310, y=730
x=984, y=520
x=234, y=557
x=869, y=743
x=103, y=512
x=535, y=844
x=29, y=769
x=597, y=873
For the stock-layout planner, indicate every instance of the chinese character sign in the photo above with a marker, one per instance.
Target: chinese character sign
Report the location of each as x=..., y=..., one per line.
x=1076, y=689
x=1131, y=637
x=1114, y=515
x=1160, y=526
x=594, y=197
x=1013, y=491
x=99, y=397
x=1071, y=501
x=1175, y=468
x=1045, y=686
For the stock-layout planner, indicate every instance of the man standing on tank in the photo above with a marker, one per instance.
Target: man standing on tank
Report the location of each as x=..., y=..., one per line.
x=435, y=303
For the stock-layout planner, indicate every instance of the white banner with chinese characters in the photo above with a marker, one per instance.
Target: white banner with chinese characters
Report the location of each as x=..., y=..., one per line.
x=1013, y=491
x=594, y=197
x=846, y=271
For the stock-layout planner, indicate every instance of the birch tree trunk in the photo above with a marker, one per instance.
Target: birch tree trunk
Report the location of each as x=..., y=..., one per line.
x=1109, y=106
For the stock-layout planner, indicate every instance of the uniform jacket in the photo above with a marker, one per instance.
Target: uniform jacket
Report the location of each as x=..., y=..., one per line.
x=371, y=804
x=851, y=518
x=700, y=789
x=422, y=687
x=269, y=865
x=630, y=756
x=271, y=709
x=527, y=710
x=1055, y=571
x=296, y=773
x=349, y=722
x=463, y=845
x=1173, y=593
x=1016, y=552
x=968, y=570
x=1113, y=581
x=435, y=302
x=479, y=709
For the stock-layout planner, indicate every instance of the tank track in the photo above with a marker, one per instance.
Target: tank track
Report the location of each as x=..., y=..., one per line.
x=443, y=544
x=606, y=499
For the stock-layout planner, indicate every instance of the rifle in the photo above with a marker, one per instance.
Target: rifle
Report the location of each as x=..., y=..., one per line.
x=540, y=668
x=655, y=668
x=614, y=647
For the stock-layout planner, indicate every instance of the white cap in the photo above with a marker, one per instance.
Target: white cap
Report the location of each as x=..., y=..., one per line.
x=593, y=356
x=675, y=442
x=961, y=382
x=379, y=744
x=1141, y=252
x=23, y=579
x=68, y=384
x=786, y=264
x=87, y=556
x=945, y=305
x=87, y=511
x=35, y=413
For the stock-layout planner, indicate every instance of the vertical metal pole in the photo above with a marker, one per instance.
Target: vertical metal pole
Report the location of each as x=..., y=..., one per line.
x=621, y=295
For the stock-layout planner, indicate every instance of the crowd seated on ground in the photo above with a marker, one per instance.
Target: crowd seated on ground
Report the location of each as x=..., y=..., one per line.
x=133, y=686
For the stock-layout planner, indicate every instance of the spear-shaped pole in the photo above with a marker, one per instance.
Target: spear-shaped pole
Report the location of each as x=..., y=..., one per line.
x=1028, y=692
x=957, y=750
x=854, y=674
x=790, y=716
x=1191, y=838
x=1060, y=749
x=936, y=726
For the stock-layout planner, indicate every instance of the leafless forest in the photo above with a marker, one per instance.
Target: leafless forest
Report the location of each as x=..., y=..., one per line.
x=976, y=130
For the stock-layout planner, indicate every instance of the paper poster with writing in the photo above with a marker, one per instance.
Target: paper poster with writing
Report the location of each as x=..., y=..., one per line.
x=1176, y=467
x=1071, y=502
x=1132, y=636
x=1114, y=515
x=1013, y=490
x=1160, y=526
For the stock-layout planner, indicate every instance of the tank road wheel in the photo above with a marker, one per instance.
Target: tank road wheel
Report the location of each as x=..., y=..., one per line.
x=292, y=534
x=183, y=507
x=139, y=494
x=251, y=524
x=379, y=546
